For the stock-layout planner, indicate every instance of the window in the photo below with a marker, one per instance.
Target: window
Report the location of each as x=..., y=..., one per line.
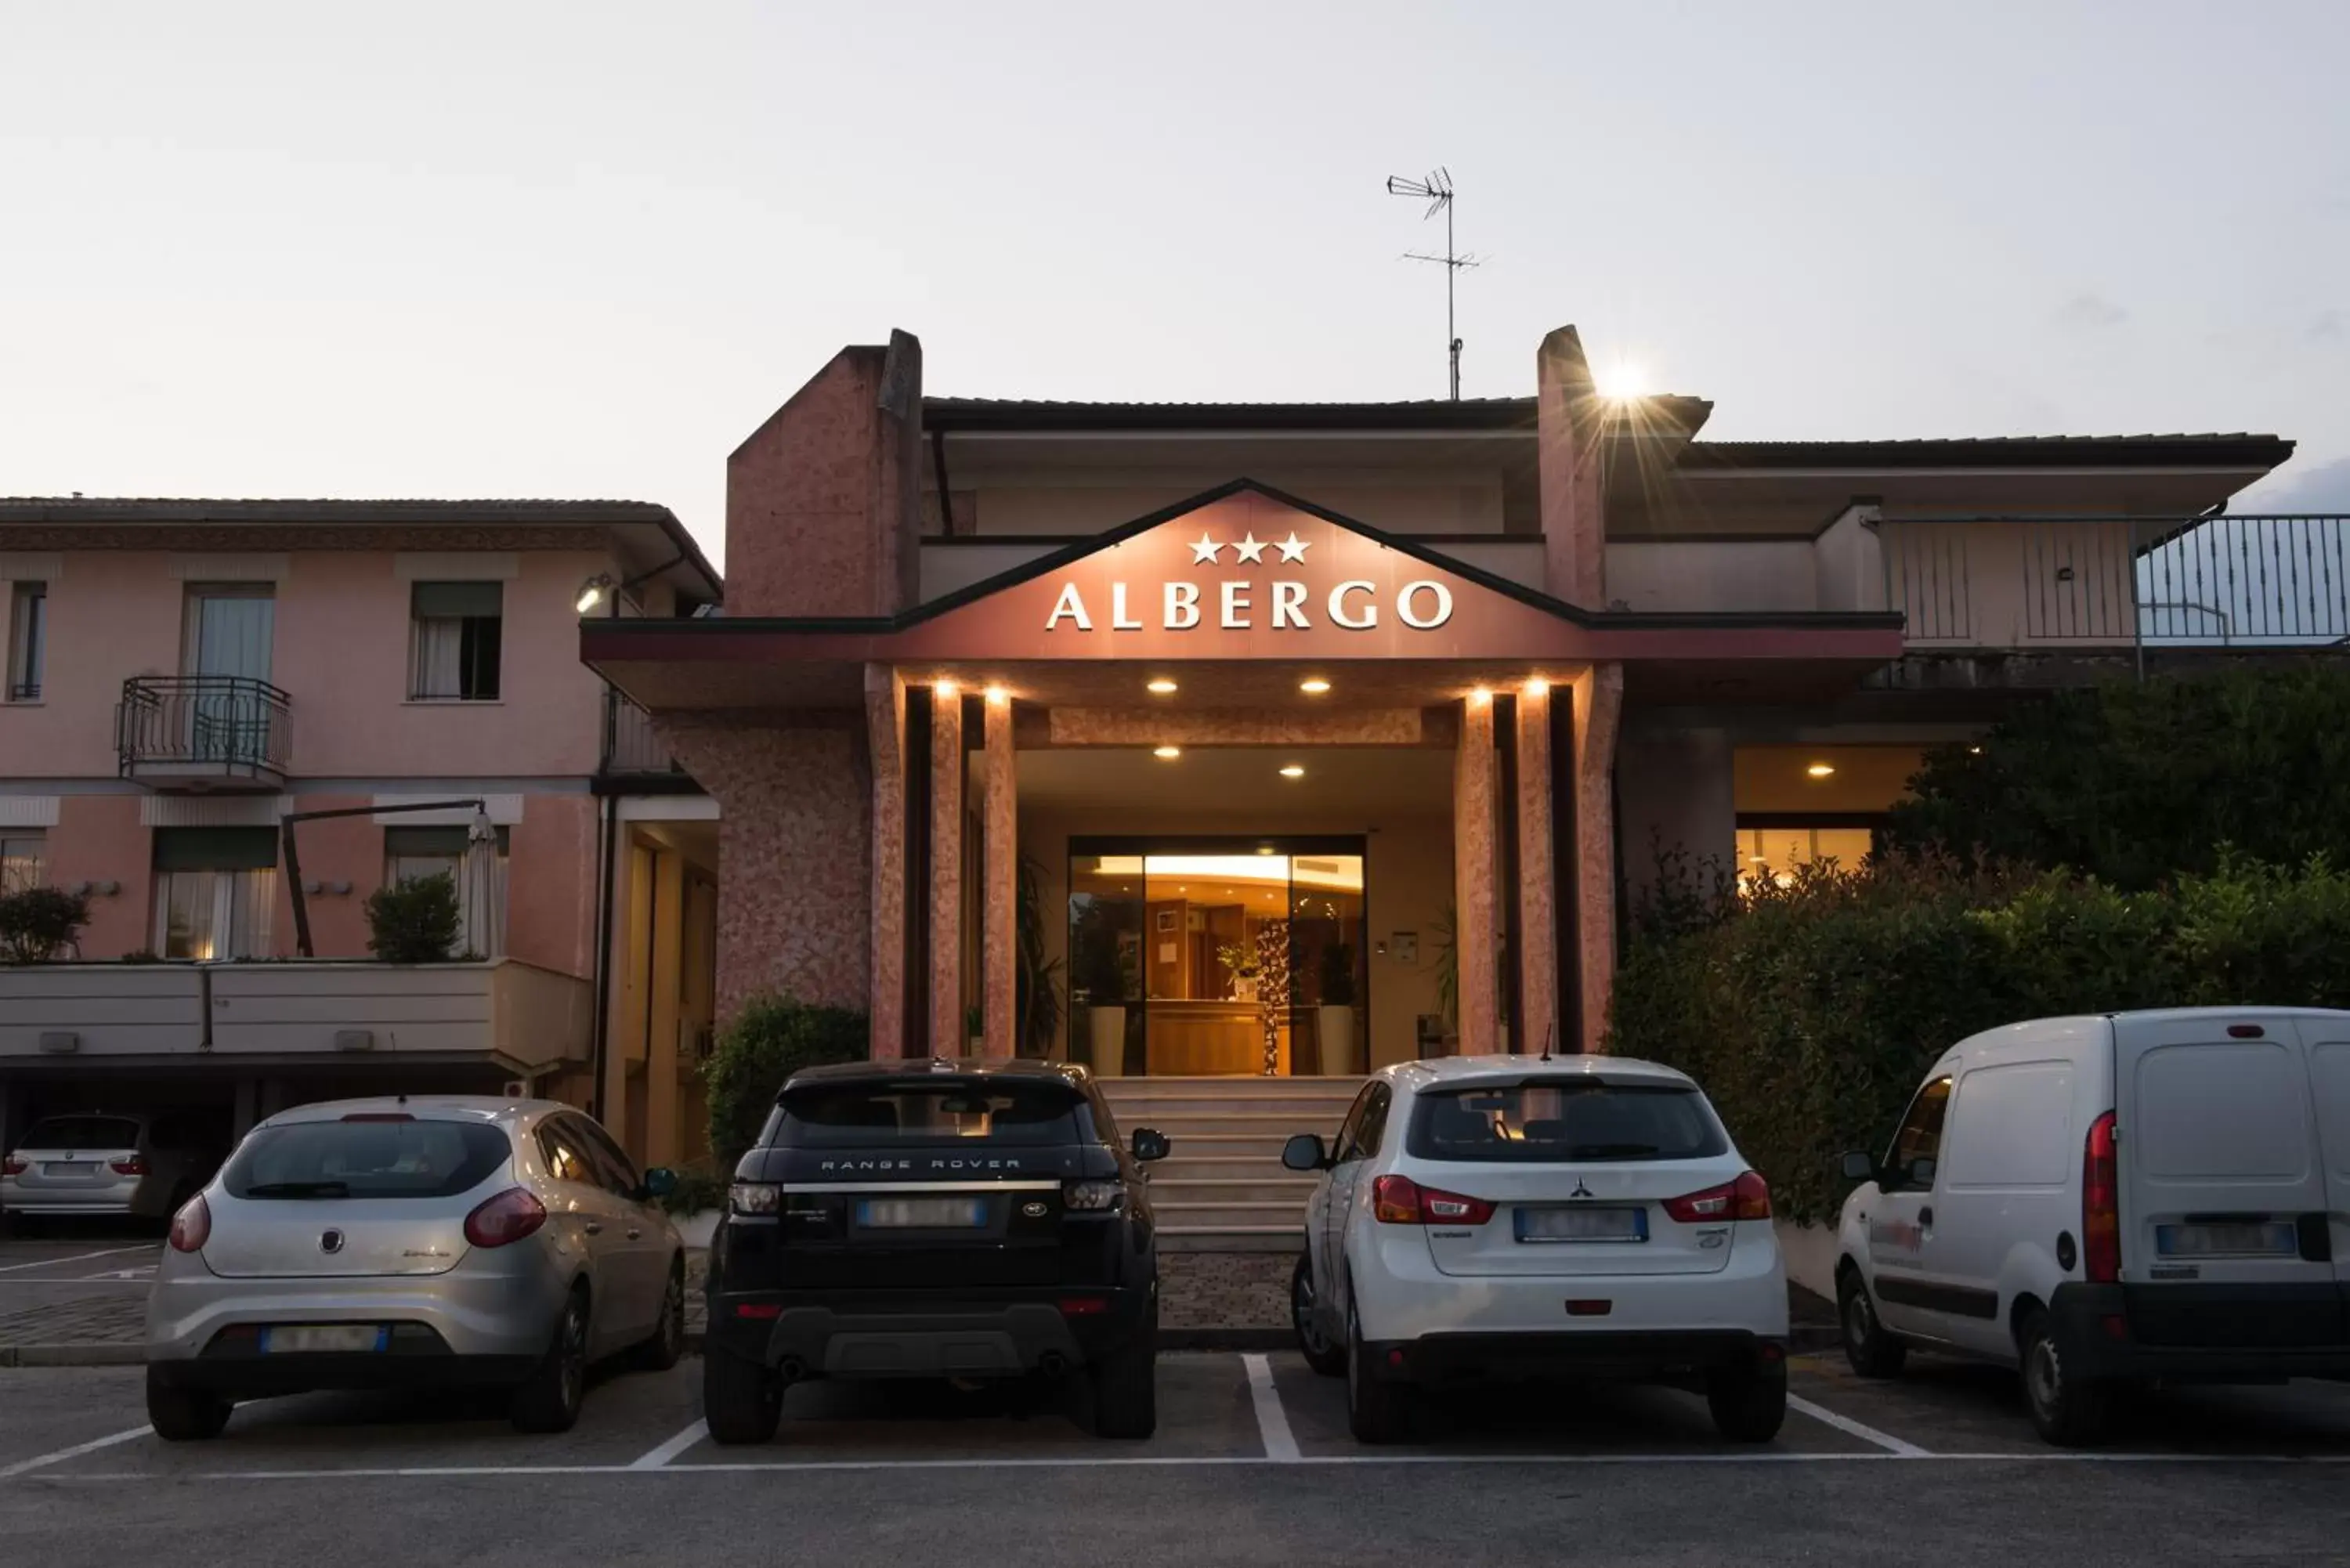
x=565, y=1152
x=1920, y=1136
x=617, y=1173
x=1370, y=1127
x=1571, y=1120
x=879, y=1112
x=74, y=1132
x=216, y=891
x=413, y=853
x=28, y=611
x=382, y=1159
x=454, y=642
x=1352, y=1124
x=1779, y=850
x=24, y=860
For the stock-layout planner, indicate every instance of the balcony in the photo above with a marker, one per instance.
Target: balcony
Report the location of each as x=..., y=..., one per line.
x=632, y=751
x=202, y=732
x=2119, y=583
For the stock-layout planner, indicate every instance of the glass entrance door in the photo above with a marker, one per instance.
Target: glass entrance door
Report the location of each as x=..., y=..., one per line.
x=1213, y=958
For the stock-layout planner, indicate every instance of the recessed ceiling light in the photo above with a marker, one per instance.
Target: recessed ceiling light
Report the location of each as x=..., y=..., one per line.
x=1161, y=686
x=1820, y=770
x=1264, y=849
x=1166, y=753
x=1292, y=771
x=1313, y=686
x=1974, y=751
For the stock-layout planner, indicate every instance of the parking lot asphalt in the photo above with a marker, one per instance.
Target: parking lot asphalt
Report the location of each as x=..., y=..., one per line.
x=1251, y=1463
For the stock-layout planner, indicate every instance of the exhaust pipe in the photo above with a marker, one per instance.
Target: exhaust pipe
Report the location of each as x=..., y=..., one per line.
x=790, y=1369
x=1052, y=1364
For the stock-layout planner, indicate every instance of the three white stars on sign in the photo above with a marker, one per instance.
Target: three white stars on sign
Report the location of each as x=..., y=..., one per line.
x=1249, y=547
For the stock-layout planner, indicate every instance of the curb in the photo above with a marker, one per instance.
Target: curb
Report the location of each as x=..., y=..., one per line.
x=84, y=1355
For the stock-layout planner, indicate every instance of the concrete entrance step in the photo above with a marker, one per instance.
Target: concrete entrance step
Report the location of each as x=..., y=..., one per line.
x=1201, y=1166
x=1191, y=1218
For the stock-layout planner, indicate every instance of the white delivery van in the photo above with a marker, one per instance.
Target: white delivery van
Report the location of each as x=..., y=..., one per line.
x=2136, y=1198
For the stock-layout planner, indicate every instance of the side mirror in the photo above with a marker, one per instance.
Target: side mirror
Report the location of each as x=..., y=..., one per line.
x=1151, y=1144
x=1859, y=1165
x=1922, y=1171
x=660, y=1181
x=1305, y=1152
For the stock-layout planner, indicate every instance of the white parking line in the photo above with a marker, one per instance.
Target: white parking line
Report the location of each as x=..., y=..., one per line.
x=76, y=1258
x=23, y=1465
x=1271, y=1420
x=1761, y=1456
x=1866, y=1433
x=654, y=1459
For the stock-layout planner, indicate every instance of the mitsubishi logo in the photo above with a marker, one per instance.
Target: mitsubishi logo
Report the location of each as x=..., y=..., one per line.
x=330, y=1241
x=1580, y=1190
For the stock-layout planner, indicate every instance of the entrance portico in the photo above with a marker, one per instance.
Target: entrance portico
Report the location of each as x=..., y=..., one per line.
x=1242, y=623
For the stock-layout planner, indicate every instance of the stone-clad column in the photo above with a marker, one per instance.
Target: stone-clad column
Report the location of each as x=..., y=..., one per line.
x=1537, y=896
x=946, y=871
x=1473, y=937
x=1598, y=705
x=1000, y=853
x=885, y=720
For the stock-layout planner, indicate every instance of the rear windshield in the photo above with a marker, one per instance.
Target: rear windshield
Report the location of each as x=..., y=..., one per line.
x=866, y=1116
x=1579, y=1121
x=81, y=1132
x=365, y=1160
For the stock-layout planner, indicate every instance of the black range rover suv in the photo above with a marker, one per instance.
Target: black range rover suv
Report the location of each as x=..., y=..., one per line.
x=940, y=1218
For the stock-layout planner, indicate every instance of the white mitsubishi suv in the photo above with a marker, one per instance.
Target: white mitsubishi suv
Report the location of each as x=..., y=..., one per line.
x=1499, y=1218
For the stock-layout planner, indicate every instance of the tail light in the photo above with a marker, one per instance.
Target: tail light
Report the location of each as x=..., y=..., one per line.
x=2101, y=1204
x=12, y=1166
x=191, y=1227
x=1092, y=1196
x=1401, y=1200
x=134, y=1165
x=505, y=1218
x=1748, y=1197
x=759, y=1199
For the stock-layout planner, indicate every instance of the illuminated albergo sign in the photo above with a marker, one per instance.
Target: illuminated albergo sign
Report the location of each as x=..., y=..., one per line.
x=1273, y=601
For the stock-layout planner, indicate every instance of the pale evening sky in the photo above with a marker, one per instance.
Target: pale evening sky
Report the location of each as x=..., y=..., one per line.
x=582, y=249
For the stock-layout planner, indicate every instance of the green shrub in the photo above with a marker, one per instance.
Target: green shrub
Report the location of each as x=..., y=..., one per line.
x=1809, y=1011
x=413, y=921
x=772, y=1038
x=40, y=924
x=695, y=1191
x=2134, y=784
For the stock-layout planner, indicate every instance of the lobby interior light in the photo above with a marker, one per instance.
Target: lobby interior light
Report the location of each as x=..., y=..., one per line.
x=1166, y=753
x=1820, y=770
x=1313, y=686
x=1292, y=770
x=1160, y=688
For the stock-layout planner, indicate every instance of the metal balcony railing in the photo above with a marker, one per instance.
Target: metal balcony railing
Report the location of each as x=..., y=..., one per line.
x=2266, y=581
x=187, y=728
x=629, y=745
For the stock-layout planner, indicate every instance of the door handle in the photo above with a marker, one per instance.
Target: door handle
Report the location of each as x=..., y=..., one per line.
x=1926, y=1219
x=593, y=1229
x=635, y=1235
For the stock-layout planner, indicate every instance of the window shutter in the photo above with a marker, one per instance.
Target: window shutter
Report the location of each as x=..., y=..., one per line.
x=457, y=601
x=215, y=848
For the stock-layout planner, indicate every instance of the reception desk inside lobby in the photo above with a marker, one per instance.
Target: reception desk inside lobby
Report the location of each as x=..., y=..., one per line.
x=1200, y=1039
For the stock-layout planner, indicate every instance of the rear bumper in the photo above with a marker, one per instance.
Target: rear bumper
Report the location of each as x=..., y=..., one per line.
x=2209, y=1333
x=1443, y=1360
x=922, y=1334
x=232, y=1365
x=470, y=1311
x=141, y=1195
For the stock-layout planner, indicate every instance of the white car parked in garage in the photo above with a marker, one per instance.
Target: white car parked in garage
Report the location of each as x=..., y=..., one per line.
x=1495, y=1217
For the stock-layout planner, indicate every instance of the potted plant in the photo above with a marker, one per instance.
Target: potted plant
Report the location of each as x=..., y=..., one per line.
x=1337, y=1012
x=1101, y=979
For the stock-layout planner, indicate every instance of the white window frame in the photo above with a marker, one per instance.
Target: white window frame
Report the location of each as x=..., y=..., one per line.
x=21, y=848
x=28, y=637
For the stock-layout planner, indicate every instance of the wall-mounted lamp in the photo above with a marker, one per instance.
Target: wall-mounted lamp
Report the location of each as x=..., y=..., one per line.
x=592, y=592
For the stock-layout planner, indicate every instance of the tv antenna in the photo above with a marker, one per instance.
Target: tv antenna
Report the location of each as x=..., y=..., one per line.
x=1437, y=191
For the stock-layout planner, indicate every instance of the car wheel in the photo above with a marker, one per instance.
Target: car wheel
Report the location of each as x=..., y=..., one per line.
x=1872, y=1352
x=1126, y=1385
x=1750, y=1405
x=549, y=1398
x=666, y=1348
x=741, y=1401
x=1322, y=1353
x=2069, y=1411
x=183, y=1415
x=1376, y=1412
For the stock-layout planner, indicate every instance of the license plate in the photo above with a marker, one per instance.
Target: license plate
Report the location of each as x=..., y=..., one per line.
x=921, y=1213
x=69, y=1168
x=2228, y=1239
x=301, y=1339
x=1582, y=1224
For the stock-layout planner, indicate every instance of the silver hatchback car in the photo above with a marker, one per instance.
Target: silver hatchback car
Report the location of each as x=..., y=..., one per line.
x=412, y=1242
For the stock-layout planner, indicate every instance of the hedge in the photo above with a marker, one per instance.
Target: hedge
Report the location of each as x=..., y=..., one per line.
x=1809, y=1011
x=772, y=1038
